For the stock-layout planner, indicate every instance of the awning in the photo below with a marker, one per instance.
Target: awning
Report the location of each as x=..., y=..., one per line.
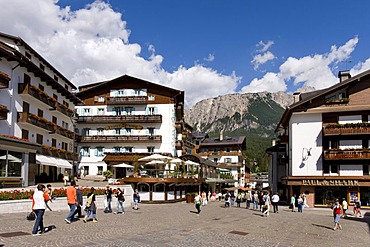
x=44, y=160
x=51, y=161
x=61, y=163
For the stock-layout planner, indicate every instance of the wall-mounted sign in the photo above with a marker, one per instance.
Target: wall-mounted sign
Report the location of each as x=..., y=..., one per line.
x=330, y=182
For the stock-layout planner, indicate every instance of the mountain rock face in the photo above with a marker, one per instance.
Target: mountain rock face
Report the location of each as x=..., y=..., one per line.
x=239, y=114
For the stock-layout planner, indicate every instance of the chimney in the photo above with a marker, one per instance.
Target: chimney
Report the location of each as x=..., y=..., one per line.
x=343, y=75
x=221, y=135
x=297, y=96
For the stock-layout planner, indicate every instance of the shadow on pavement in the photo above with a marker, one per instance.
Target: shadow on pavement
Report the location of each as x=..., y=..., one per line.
x=327, y=227
x=364, y=218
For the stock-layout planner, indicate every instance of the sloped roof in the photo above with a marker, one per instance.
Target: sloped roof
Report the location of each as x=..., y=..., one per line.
x=235, y=140
x=307, y=97
x=90, y=90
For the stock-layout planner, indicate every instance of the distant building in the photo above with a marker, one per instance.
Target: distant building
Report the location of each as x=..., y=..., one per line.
x=227, y=153
x=323, y=149
x=36, y=109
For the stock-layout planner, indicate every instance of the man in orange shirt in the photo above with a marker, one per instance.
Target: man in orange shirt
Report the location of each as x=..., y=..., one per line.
x=72, y=201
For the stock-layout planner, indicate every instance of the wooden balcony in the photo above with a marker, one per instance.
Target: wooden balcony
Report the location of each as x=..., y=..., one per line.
x=132, y=100
x=122, y=138
x=221, y=153
x=58, y=153
x=35, y=92
x=347, y=129
x=356, y=154
x=4, y=80
x=337, y=101
x=29, y=118
x=122, y=118
x=63, y=109
x=3, y=112
x=63, y=132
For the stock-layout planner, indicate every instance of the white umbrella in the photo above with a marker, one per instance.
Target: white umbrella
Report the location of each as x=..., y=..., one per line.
x=177, y=160
x=11, y=158
x=124, y=165
x=155, y=157
x=155, y=162
x=189, y=162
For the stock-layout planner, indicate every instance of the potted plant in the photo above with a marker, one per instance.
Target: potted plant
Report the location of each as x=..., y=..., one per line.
x=107, y=174
x=188, y=197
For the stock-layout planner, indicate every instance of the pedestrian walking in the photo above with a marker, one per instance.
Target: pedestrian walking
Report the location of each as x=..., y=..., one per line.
x=80, y=202
x=108, y=198
x=337, y=212
x=292, y=203
x=300, y=204
x=198, y=202
x=136, y=199
x=39, y=198
x=72, y=201
x=261, y=201
x=248, y=199
x=120, y=201
x=344, y=207
x=238, y=200
x=357, y=208
x=232, y=197
x=204, y=198
x=266, y=206
x=227, y=199
x=91, y=206
x=255, y=201
x=66, y=178
x=275, y=201
x=304, y=197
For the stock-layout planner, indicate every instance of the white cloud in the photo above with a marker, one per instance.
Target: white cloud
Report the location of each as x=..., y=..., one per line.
x=314, y=71
x=92, y=44
x=261, y=59
x=210, y=58
x=264, y=46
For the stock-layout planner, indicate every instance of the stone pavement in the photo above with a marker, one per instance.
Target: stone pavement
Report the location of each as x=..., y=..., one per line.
x=176, y=224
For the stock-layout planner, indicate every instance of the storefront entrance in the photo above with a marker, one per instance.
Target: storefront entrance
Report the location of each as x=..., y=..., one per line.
x=326, y=195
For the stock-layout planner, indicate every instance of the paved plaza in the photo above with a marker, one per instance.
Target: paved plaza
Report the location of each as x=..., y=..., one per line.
x=177, y=224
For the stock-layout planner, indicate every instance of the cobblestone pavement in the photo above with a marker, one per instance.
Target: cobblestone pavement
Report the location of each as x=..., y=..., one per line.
x=177, y=224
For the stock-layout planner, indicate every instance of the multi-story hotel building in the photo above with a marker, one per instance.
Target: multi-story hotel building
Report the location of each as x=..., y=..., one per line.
x=227, y=153
x=324, y=144
x=125, y=119
x=36, y=106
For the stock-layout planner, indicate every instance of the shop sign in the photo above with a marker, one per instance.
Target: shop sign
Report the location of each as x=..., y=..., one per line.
x=330, y=182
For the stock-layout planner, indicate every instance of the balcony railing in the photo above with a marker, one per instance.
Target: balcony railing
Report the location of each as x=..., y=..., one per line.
x=4, y=80
x=122, y=118
x=3, y=112
x=58, y=153
x=122, y=138
x=63, y=109
x=132, y=100
x=63, y=132
x=127, y=156
x=347, y=129
x=337, y=101
x=27, y=89
x=221, y=153
x=356, y=154
x=25, y=117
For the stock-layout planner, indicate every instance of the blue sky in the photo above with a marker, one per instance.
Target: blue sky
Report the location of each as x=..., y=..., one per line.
x=207, y=48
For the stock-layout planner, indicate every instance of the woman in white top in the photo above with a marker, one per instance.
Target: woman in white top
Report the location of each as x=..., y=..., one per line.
x=39, y=199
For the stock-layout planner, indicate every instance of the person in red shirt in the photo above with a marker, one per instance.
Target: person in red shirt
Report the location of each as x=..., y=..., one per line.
x=337, y=212
x=72, y=201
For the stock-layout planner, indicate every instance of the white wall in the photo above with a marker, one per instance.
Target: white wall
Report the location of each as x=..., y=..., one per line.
x=305, y=134
x=351, y=170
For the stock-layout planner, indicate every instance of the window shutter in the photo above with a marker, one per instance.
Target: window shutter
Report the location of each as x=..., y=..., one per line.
x=155, y=110
x=96, y=151
x=146, y=111
x=133, y=149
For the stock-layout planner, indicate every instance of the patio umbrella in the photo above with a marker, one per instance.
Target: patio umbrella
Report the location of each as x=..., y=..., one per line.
x=123, y=165
x=175, y=162
x=155, y=157
x=155, y=162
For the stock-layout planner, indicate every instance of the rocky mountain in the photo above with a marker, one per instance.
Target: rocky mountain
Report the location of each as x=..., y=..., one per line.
x=239, y=114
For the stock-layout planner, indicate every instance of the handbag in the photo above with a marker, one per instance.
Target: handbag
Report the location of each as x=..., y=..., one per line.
x=31, y=216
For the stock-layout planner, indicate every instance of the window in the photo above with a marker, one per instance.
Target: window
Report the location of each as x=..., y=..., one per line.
x=215, y=160
x=66, y=103
x=86, y=132
x=56, y=78
x=39, y=139
x=151, y=131
x=86, y=112
x=117, y=131
x=117, y=149
x=151, y=98
x=26, y=107
x=40, y=113
x=86, y=170
x=100, y=170
x=99, y=151
x=151, y=110
x=128, y=149
x=54, y=119
x=100, y=111
x=66, y=87
x=101, y=99
x=25, y=134
x=100, y=131
x=28, y=55
x=118, y=111
x=365, y=170
x=137, y=92
x=64, y=146
x=129, y=110
x=331, y=169
x=227, y=160
x=64, y=124
x=85, y=151
x=53, y=142
x=150, y=149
